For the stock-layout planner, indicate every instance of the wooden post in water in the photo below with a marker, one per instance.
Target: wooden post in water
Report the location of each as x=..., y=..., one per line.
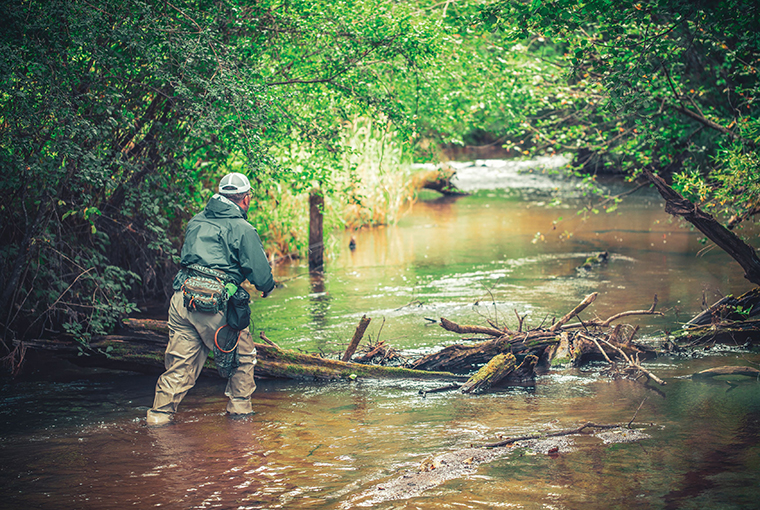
x=316, y=240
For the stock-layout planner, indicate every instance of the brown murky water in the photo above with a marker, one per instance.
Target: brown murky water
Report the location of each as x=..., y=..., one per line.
x=77, y=439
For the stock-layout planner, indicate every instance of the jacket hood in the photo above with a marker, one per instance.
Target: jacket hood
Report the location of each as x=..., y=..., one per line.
x=222, y=207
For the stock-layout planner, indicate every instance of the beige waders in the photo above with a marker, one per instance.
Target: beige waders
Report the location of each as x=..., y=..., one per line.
x=191, y=337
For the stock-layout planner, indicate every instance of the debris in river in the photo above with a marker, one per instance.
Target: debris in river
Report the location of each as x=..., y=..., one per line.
x=594, y=261
x=593, y=339
x=727, y=371
x=441, y=468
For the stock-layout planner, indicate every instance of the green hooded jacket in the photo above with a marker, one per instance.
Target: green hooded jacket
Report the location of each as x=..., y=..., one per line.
x=220, y=237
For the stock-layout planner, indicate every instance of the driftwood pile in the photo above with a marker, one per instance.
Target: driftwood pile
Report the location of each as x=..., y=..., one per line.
x=729, y=321
x=510, y=357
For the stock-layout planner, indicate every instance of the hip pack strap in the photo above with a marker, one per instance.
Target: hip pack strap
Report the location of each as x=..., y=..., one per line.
x=207, y=271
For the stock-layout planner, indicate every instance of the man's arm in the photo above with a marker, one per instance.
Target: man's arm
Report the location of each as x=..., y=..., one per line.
x=254, y=264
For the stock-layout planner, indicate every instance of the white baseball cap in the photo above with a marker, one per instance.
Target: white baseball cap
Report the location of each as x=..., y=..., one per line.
x=234, y=183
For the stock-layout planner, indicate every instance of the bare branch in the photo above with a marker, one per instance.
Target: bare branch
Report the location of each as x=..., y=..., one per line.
x=575, y=311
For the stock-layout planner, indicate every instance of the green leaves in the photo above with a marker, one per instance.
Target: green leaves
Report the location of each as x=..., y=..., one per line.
x=666, y=84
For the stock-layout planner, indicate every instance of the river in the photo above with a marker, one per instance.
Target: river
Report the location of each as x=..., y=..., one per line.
x=76, y=439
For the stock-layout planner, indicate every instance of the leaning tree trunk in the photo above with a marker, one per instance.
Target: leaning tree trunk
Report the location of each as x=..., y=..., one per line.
x=726, y=240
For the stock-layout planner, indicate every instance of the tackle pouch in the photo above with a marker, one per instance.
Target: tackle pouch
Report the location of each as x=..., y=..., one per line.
x=204, y=290
x=239, y=310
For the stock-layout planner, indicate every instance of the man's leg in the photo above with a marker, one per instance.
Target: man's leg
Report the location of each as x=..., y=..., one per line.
x=184, y=359
x=241, y=385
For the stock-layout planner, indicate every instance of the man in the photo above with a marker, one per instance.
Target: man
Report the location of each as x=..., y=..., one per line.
x=217, y=238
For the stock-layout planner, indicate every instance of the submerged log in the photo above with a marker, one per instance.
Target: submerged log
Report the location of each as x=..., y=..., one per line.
x=140, y=347
x=728, y=370
x=462, y=462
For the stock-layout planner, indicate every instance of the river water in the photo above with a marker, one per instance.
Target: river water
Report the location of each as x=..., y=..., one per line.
x=75, y=438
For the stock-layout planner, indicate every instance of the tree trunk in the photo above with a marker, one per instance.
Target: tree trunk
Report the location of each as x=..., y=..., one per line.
x=316, y=239
x=726, y=240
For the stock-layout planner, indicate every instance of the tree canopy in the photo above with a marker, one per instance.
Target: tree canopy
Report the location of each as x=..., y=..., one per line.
x=668, y=85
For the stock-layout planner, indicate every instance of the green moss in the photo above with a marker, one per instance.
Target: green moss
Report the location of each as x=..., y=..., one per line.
x=497, y=364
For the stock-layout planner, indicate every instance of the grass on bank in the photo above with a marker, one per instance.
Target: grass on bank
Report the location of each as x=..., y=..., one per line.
x=373, y=184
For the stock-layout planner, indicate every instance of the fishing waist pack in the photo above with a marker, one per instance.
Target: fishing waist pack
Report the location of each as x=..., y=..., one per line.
x=204, y=290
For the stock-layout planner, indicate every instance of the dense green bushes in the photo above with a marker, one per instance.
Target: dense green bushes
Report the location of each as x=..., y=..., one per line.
x=118, y=117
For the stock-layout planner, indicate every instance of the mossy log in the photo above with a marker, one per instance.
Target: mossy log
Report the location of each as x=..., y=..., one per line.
x=501, y=371
x=140, y=344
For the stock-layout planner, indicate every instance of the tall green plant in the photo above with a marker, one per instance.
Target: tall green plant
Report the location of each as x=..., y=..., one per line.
x=370, y=184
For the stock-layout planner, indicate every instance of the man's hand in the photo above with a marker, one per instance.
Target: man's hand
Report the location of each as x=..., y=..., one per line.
x=265, y=294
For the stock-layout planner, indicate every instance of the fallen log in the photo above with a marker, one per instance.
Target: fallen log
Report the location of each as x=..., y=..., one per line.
x=139, y=346
x=729, y=309
x=722, y=332
x=728, y=370
x=460, y=358
x=502, y=370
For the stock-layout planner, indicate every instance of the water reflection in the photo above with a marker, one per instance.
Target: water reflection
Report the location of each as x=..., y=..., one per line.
x=319, y=300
